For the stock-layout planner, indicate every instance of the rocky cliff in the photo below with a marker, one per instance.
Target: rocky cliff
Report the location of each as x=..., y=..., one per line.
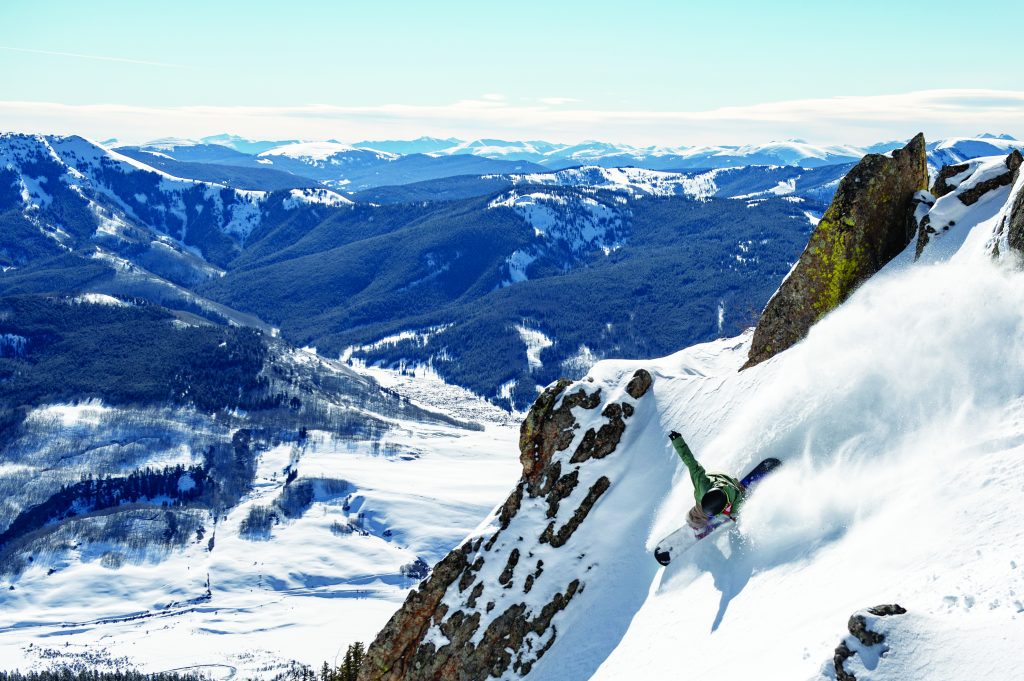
x=491, y=606
x=869, y=222
x=966, y=194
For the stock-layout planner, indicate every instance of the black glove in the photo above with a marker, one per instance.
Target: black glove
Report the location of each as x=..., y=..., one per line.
x=673, y=436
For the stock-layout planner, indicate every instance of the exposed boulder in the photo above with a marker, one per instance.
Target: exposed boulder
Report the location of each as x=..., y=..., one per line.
x=487, y=609
x=862, y=637
x=965, y=185
x=1013, y=162
x=869, y=222
x=945, y=180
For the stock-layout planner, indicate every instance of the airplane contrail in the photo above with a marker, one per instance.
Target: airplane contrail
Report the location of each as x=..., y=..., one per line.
x=93, y=56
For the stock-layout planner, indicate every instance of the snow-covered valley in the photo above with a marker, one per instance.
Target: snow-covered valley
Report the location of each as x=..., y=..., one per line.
x=234, y=600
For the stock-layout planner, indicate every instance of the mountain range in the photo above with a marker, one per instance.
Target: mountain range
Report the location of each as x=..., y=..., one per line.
x=552, y=156
x=240, y=423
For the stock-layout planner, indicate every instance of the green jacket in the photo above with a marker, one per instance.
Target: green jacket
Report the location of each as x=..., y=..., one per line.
x=702, y=481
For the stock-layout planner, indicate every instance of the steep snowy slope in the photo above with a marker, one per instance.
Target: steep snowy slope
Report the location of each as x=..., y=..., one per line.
x=900, y=422
x=900, y=419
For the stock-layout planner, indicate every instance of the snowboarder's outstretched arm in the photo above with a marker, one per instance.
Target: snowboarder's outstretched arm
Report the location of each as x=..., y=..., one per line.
x=701, y=482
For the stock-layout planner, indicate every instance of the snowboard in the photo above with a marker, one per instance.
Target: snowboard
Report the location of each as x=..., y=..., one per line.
x=681, y=539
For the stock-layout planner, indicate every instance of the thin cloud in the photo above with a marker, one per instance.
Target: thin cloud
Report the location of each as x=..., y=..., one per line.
x=95, y=57
x=848, y=119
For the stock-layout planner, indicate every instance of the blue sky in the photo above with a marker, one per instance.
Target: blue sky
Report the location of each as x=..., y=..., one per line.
x=563, y=69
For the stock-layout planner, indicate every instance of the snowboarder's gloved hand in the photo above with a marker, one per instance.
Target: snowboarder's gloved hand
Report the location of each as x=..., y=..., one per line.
x=674, y=436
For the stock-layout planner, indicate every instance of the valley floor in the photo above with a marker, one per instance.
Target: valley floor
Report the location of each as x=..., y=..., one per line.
x=305, y=591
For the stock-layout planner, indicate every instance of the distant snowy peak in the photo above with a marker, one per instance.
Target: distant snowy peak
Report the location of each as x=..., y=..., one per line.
x=234, y=142
x=71, y=180
x=795, y=152
x=332, y=153
x=632, y=181
x=534, y=150
x=956, y=150
x=420, y=145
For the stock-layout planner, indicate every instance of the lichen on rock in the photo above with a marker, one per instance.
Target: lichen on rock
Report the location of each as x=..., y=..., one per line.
x=868, y=223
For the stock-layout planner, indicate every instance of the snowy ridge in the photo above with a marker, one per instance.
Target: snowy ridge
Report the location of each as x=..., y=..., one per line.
x=790, y=152
x=568, y=227
x=89, y=170
x=956, y=150
x=325, y=197
x=129, y=201
x=323, y=154
x=635, y=182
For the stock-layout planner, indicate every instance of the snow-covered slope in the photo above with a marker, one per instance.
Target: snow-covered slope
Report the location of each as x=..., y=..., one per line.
x=321, y=154
x=956, y=150
x=75, y=191
x=750, y=183
x=149, y=196
x=900, y=422
x=632, y=181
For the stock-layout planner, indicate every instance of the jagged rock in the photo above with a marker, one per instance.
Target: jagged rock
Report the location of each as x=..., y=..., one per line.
x=602, y=442
x=868, y=223
x=1015, y=224
x=858, y=628
x=478, y=614
x=1013, y=162
x=560, y=537
x=547, y=429
x=941, y=187
x=922, y=203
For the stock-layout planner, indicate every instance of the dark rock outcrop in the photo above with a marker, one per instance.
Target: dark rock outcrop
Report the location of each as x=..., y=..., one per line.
x=1012, y=226
x=478, y=615
x=1013, y=162
x=1015, y=225
x=869, y=222
x=864, y=635
x=942, y=185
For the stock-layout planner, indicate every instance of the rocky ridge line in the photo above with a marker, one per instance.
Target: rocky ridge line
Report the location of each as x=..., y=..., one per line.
x=488, y=606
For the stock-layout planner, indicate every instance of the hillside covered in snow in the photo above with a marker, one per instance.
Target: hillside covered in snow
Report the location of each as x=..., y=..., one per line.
x=898, y=417
x=180, y=475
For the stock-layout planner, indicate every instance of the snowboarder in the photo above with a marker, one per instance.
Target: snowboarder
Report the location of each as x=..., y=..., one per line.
x=715, y=493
